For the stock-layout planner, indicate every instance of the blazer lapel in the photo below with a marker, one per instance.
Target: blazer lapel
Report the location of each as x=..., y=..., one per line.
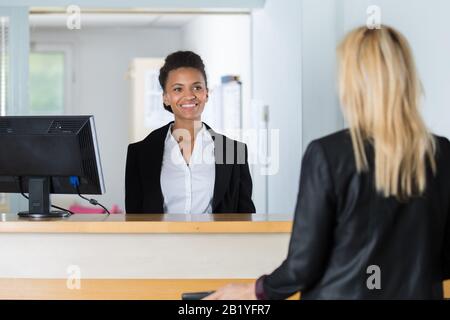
x=223, y=171
x=152, y=164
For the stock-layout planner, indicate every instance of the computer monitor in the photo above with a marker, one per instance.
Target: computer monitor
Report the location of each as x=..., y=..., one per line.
x=43, y=155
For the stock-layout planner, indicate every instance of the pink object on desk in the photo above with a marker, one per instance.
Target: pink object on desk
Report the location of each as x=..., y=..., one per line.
x=96, y=210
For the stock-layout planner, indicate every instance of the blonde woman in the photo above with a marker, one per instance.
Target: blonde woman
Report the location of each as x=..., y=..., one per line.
x=373, y=212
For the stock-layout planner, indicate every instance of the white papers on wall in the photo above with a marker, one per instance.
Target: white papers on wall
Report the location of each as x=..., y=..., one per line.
x=231, y=105
x=147, y=111
x=231, y=95
x=154, y=114
x=212, y=114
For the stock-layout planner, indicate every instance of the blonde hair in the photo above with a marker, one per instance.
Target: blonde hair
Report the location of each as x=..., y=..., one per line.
x=381, y=93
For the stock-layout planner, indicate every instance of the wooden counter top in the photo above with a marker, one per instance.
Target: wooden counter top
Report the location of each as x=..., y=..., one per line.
x=123, y=289
x=110, y=289
x=150, y=223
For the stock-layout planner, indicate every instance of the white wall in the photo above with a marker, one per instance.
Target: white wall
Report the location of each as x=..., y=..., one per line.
x=276, y=54
x=277, y=82
x=321, y=29
x=101, y=88
x=223, y=42
x=425, y=24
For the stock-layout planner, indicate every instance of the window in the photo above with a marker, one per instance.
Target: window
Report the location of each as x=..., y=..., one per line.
x=49, y=79
x=46, y=83
x=4, y=62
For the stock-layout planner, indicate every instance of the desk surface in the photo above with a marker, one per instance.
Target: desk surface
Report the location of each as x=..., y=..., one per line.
x=123, y=289
x=150, y=223
x=100, y=289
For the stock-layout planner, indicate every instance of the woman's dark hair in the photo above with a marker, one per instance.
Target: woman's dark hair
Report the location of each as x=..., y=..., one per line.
x=180, y=59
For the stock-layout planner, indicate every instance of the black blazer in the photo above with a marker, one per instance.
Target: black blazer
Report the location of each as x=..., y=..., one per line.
x=342, y=227
x=233, y=183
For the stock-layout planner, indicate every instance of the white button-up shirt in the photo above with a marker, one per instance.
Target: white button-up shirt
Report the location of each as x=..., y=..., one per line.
x=188, y=188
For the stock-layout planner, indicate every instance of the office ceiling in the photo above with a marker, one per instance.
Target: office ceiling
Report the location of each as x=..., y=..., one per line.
x=152, y=20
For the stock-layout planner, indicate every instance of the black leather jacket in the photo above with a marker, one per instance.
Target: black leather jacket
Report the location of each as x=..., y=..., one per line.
x=342, y=227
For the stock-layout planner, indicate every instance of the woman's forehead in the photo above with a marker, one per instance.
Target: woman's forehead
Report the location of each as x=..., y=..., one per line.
x=185, y=75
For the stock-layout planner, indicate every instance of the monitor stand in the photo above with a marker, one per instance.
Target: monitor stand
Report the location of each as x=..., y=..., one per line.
x=39, y=200
x=51, y=214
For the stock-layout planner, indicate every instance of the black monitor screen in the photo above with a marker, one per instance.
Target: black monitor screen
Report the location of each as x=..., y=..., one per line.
x=58, y=148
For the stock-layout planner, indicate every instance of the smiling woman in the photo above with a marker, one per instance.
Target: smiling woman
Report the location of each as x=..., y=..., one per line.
x=184, y=166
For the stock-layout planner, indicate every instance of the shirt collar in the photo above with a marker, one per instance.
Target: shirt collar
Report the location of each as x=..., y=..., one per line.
x=203, y=133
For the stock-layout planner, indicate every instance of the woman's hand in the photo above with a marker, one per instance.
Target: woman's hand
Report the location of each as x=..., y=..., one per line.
x=234, y=291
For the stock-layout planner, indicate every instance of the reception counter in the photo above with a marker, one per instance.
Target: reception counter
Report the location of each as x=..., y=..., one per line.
x=90, y=256
x=136, y=256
